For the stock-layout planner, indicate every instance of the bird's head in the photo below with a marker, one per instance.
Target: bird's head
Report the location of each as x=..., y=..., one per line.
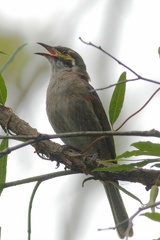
x=63, y=57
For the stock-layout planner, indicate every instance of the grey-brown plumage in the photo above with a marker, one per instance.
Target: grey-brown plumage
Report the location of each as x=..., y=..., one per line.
x=72, y=107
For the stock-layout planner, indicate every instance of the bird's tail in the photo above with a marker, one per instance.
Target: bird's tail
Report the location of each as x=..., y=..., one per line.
x=118, y=209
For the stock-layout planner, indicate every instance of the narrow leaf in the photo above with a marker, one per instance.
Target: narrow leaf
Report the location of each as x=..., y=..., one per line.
x=144, y=148
x=12, y=57
x=153, y=195
x=127, y=192
x=3, y=163
x=3, y=91
x=125, y=167
x=156, y=165
x=115, y=168
x=152, y=216
x=152, y=149
x=128, y=154
x=117, y=99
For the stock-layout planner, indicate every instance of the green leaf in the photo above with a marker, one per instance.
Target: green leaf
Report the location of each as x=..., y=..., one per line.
x=12, y=57
x=125, y=167
x=144, y=148
x=115, y=168
x=3, y=91
x=148, y=148
x=117, y=99
x=153, y=195
x=128, y=154
x=3, y=163
x=156, y=165
x=152, y=216
x=127, y=192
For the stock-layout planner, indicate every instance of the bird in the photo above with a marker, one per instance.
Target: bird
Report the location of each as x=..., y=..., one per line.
x=73, y=105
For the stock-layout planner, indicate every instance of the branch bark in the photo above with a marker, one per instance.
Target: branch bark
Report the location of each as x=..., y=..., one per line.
x=71, y=158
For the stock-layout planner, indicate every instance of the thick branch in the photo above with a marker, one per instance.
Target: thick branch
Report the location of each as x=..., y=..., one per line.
x=71, y=158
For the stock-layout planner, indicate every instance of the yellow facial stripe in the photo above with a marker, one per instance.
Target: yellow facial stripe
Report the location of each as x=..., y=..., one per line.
x=66, y=57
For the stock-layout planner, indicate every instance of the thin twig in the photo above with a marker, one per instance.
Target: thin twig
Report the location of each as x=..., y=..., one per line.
x=121, y=63
x=115, y=84
x=139, y=110
x=30, y=208
x=11, y=149
x=131, y=218
x=151, y=133
x=38, y=178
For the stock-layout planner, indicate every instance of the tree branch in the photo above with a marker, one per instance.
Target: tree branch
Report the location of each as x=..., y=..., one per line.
x=72, y=159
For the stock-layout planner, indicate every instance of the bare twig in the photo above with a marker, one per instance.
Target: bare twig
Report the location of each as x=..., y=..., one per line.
x=41, y=178
x=30, y=208
x=139, y=110
x=139, y=77
x=42, y=137
x=131, y=218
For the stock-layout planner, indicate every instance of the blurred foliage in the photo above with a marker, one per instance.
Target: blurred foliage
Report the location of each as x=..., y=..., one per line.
x=3, y=163
x=9, y=44
x=3, y=91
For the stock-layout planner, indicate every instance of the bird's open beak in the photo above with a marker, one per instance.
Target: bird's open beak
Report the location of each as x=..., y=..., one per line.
x=53, y=52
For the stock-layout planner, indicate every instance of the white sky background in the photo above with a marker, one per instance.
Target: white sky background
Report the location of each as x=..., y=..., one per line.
x=136, y=43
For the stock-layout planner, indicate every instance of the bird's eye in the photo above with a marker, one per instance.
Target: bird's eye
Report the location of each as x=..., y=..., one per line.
x=64, y=52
